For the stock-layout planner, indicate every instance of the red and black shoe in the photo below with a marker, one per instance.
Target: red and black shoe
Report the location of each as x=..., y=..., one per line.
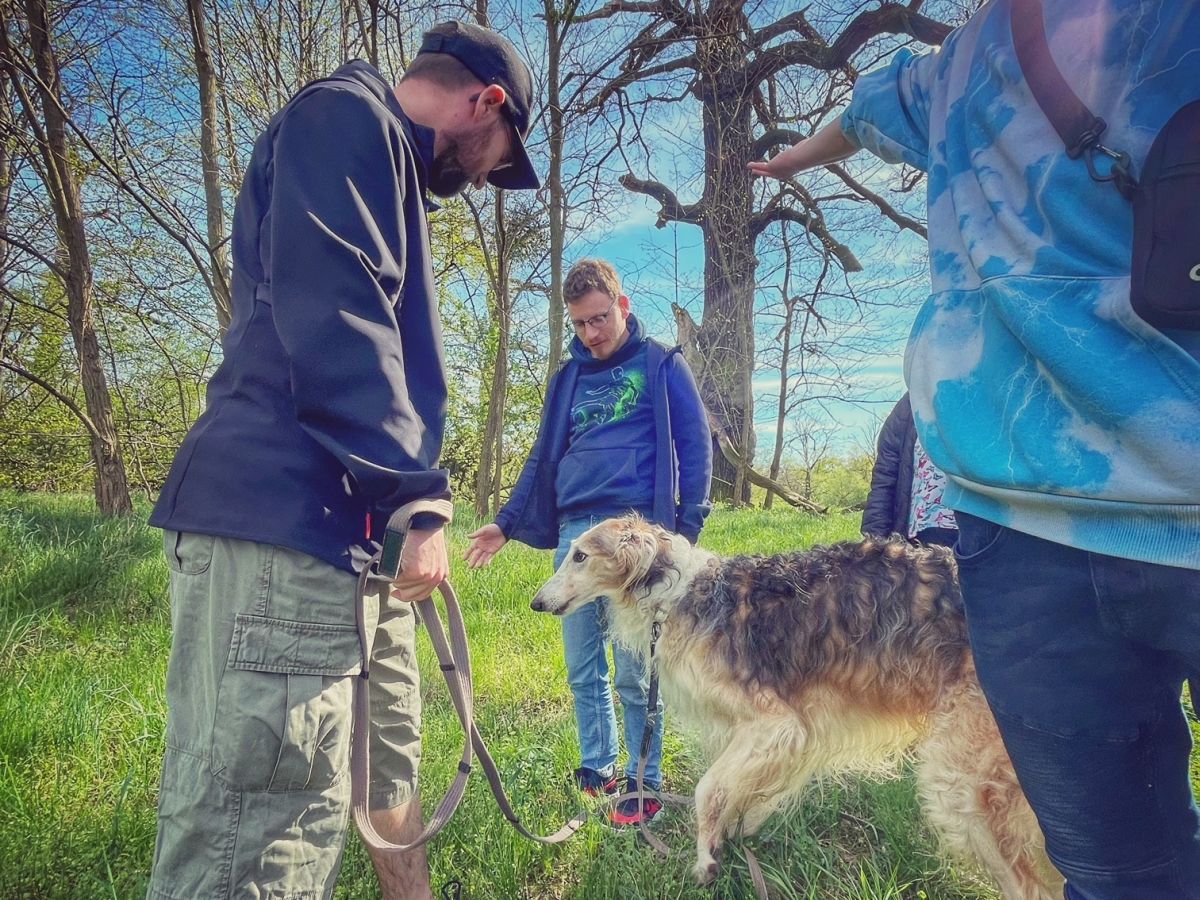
x=629, y=812
x=594, y=783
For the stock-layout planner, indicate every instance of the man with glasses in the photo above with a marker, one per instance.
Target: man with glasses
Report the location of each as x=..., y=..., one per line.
x=623, y=429
x=325, y=416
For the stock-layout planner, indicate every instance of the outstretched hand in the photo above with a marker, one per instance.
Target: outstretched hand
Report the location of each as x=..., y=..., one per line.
x=485, y=543
x=776, y=167
x=828, y=145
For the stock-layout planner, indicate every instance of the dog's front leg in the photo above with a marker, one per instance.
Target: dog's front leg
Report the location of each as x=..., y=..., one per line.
x=747, y=781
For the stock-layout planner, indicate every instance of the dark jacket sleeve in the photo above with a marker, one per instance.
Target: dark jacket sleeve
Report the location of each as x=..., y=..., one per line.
x=508, y=515
x=879, y=513
x=693, y=447
x=339, y=240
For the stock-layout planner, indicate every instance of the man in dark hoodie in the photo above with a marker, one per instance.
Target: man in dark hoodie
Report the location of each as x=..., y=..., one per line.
x=623, y=429
x=325, y=416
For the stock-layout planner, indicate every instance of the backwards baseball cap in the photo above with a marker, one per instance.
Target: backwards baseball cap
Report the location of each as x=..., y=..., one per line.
x=494, y=60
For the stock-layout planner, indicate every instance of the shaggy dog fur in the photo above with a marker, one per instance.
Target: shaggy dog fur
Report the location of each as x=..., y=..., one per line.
x=836, y=660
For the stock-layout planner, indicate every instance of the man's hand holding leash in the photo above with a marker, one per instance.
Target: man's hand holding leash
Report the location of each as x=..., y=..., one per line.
x=423, y=565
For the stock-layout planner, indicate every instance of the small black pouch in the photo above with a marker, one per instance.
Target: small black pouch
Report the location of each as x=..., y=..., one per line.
x=1165, y=285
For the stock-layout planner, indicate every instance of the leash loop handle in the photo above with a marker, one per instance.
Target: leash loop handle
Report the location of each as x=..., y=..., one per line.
x=458, y=681
x=395, y=533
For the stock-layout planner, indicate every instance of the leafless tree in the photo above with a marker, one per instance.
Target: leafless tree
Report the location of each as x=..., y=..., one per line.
x=725, y=58
x=206, y=82
x=794, y=304
x=34, y=75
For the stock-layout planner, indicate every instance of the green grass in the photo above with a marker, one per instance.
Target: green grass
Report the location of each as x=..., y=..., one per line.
x=84, y=639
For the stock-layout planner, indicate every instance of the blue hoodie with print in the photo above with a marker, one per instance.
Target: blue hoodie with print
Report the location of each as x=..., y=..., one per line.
x=1052, y=407
x=590, y=458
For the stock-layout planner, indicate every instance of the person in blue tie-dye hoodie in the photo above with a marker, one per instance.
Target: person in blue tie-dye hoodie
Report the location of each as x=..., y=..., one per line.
x=1069, y=429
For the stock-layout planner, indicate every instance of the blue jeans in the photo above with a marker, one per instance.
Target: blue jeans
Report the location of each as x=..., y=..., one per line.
x=586, y=646
x=1082, y=658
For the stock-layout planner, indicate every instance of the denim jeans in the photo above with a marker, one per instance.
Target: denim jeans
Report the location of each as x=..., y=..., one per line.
x=1082, y=658
x=586, y=646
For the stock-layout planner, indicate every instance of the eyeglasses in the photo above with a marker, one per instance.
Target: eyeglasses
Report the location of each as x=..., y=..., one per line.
x=596, y=321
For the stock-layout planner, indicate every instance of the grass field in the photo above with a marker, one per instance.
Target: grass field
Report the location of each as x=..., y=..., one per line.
x=83, y=648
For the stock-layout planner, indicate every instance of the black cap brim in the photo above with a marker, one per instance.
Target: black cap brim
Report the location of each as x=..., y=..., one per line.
x=520, y=176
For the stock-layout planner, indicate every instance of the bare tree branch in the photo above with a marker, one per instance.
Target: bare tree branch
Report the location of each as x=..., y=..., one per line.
x=776, y=136
x=62, y=398
x=812, y=220
x=729, y=451
x=890, y=18
x=671, y=12
x=671, y=209
x=883, y=206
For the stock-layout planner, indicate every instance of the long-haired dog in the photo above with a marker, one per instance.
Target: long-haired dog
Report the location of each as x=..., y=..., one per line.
x=836, y=660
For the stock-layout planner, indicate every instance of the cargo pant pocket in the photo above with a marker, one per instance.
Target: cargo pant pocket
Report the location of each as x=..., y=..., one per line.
x=284, y=702
x=188, y=554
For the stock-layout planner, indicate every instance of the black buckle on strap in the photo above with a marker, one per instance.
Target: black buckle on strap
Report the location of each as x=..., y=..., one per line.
x=1120, y=170
x=1088, y=139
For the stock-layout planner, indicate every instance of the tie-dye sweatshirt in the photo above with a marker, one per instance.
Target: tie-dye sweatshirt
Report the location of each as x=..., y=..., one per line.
x=1050, y=405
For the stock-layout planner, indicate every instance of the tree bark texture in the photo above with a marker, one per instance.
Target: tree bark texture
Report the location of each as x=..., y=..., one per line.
x=206, y=81
x=726, y=335
x=555, y=30
x=111, y=484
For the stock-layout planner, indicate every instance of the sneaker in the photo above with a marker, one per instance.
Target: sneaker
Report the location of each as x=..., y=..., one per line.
x=595, y=783
x=627, y=811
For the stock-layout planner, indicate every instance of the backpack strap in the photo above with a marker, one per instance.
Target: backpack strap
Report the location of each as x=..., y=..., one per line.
x=1077, y=126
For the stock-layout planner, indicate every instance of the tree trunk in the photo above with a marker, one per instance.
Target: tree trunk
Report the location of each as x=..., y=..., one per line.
x=6, y=128
x=781, y=408
x=726, y=335
x=112, y=488
x=206, y=80
x=558, y=201
x=785, y=360
x=491, y=460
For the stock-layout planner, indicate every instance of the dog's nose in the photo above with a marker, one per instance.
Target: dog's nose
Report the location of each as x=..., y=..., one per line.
x=537, y=605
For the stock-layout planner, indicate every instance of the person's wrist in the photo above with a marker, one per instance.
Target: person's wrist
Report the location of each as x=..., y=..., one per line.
x=426, y=521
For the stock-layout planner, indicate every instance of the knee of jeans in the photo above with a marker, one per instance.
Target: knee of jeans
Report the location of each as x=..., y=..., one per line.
x=589, y=682
x=1117, y=815
x=631, y=678
x=632, y=689
x=1168, y=879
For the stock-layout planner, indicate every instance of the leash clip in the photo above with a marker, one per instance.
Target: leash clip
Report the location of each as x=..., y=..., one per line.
x=1120, y=171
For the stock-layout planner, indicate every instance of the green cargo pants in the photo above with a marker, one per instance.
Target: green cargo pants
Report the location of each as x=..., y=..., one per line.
x=255, y=792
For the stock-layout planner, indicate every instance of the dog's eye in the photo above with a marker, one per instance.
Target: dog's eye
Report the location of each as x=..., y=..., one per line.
x=579, y=556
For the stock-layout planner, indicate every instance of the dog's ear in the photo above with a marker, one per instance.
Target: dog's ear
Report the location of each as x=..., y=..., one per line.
x=634, y=551
x=643, y=553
